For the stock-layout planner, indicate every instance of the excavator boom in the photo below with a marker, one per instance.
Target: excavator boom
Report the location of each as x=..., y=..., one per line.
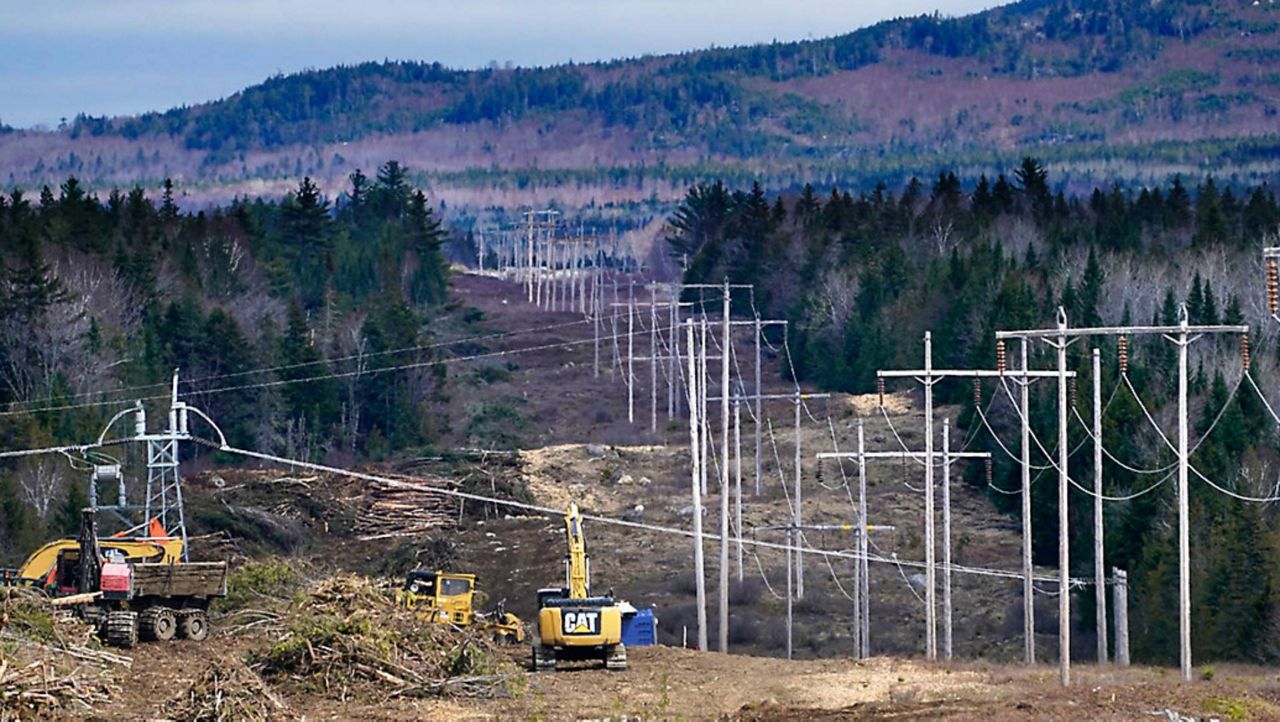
x=577, y=574
x=39, y=567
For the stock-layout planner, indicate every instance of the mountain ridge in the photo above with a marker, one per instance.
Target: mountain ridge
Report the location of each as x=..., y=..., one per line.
x=1089, y=84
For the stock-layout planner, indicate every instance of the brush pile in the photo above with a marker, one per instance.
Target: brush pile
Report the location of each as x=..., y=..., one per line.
x=50, y=662
x=345, y=636
x=227, y=691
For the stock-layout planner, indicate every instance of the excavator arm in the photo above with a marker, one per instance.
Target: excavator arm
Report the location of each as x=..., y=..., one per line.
x=577, y=572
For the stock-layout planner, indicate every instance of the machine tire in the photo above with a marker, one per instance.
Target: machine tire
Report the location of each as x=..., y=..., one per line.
x=95, y=617
x=193, y=624
x=615, y=658
x=122, y=628
x=157, y=624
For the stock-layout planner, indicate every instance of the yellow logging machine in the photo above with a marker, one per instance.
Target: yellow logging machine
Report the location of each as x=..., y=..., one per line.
x=446, y=598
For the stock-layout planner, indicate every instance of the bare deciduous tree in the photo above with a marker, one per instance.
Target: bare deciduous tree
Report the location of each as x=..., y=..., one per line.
x=41, y=480
x=837, y=292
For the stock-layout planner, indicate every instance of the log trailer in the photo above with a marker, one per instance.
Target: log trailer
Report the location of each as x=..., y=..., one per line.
x=138, y=583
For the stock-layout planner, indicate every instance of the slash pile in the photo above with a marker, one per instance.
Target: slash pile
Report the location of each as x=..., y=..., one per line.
x=345, y=636
x=50, y=662
x=226, y=691
x=392, y=511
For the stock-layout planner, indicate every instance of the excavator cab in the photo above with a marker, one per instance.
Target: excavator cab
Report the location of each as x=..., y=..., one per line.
x=53, y=567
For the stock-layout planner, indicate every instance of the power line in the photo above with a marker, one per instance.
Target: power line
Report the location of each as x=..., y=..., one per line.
x=332, y=375
x=644, y=526
x=1232, y=494
x=304, y=364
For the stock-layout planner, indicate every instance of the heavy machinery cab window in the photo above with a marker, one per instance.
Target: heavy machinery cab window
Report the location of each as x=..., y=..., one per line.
x=454, y=587
x=419, y=583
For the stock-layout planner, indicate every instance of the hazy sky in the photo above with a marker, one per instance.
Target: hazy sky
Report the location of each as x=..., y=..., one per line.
x=62, y=57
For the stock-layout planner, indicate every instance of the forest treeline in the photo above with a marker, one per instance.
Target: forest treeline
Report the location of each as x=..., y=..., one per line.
x=101, y=299
x=862, y=276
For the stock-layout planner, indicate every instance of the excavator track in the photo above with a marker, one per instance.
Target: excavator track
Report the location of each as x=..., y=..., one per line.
x=544, y=658
x=616, y=658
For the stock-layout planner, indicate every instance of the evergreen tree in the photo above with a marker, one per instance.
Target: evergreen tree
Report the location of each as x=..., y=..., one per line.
x=307, y=233
x=66, y=516
x=1211, y=223
x=1034, y=180
x=307, y=398
x=808, y=205
x=1177, y=205
x=428, y=283
x=1089, y=299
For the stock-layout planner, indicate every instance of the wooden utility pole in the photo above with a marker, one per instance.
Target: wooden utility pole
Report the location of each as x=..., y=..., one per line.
x=1181, y=336
x=931, y=575
x=631, y=377
x=697, y=474
x=758, y=415
x=1184, y=551
x=653, y=354
x=673, y=364
x=864, y=579
x=737, y=474
x=528, y=271
x=863, y=456
x=790, y=582
x=1064, y=537
x=799, y=518
x=1120, y=604
x=725, y=350
x=1099, y=551
x=595, y=324
x=1028, y=587
x=704, y=427
x=946, y=539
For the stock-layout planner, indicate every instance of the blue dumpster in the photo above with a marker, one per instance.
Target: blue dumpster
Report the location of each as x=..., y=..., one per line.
x=639, y=629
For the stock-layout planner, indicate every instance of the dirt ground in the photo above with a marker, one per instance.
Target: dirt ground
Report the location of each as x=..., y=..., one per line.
x=665, y=683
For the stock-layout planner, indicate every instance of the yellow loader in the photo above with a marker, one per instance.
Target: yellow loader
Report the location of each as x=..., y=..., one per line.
x=447, y=598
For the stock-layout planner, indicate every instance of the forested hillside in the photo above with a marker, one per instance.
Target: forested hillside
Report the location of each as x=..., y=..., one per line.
x=102, y=299
x=863, y=276
x=1096, y=89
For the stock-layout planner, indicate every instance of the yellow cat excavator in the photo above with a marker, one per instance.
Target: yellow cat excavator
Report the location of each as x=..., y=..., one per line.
x=572, y=624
